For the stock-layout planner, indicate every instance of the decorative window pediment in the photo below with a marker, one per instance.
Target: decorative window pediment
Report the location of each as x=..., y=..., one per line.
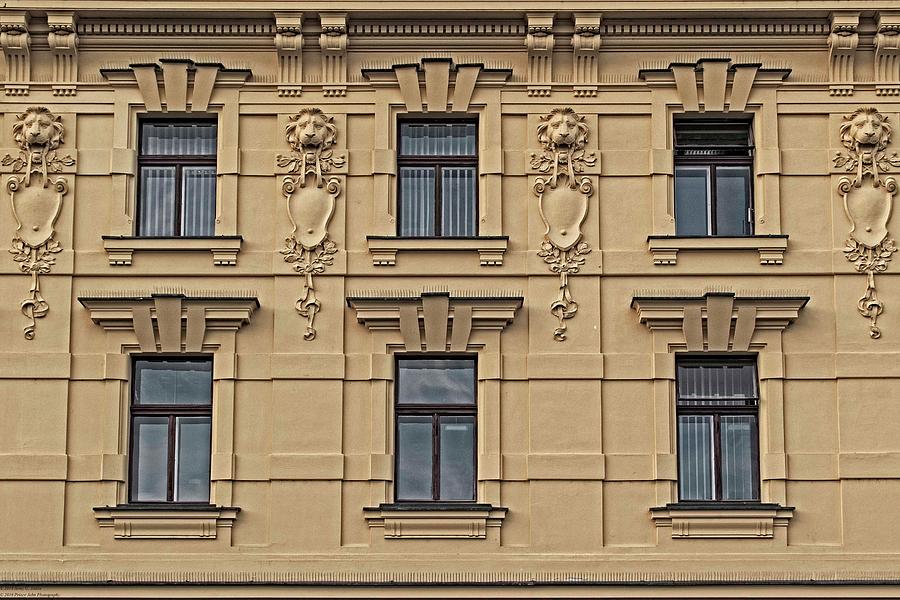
x=179, y=76
x=438, y=76
x=704, y=86
x=170, y=320
x=718, y=320
x=435, y=313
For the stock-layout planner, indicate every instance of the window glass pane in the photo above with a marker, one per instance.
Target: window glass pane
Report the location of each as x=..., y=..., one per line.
x=717, y=384
x=178, y=139
x=173, y=382
x=457, y=458
x=437, y=139
x=192, y=443
x=737, y=456
x=695, y=458
x=198, y=212
x=149, y=460
x=416, y=201
x=427, y=381
x=414, y=457
x=691, y=200
x=157, y=202
x=732, y=200
x=458, y=201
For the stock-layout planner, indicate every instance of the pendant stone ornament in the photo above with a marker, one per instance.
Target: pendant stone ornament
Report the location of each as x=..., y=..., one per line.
x=311, y=197
x=868, y=200
x=563, y=202
x=36, y=198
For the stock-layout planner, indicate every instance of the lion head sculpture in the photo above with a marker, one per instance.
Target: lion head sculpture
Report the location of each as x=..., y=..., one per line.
x=562, y=128
x=865, y=130
x=311, y=130
x=38, y=128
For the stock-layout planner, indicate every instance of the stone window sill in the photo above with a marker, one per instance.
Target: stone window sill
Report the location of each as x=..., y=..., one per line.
x=384, y=249
x=165, y=521
x=722, y=520
x=665, y=248
x=120, y=249
x=435, y=520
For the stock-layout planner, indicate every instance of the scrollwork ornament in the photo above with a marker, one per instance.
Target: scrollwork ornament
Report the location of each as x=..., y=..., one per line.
x=310, y=200
x=868, y=247
x=563, y=202
x=36, y=198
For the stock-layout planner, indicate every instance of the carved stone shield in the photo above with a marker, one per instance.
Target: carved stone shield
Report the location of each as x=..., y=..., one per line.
x=310, y=209
x=36, y=209
x=868, y=209
x=563, y=210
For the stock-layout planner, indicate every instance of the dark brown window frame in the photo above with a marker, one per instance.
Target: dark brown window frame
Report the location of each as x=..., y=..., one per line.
x=170, y=160
x=716, y=412
x=436, y=162
x=163, y=410
x=712, y=163
x=436, y=411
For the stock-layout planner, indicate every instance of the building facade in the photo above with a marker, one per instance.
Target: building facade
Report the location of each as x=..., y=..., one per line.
x=449, y=299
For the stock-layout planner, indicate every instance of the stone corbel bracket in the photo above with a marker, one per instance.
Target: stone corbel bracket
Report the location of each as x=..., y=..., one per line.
x=711, y=79
x=187, y=86
x=63, y=41
x=435, y=313
x=333, y=43
x=439, y=76
x=36, y=197
x=311, y=193
x=539, y=41
x=173, y=320
x=16, y=42
x=586, y=43
x=718, y=320
x=887, y=55
x=289, y=45
x=563, y=192
x=842, y=44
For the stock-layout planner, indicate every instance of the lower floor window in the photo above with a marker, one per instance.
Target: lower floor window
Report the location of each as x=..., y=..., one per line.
x=718, y=439
x=171, y=417
x=435, y=429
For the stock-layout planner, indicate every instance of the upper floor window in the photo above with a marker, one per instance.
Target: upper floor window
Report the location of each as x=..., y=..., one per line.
x=171, y=417
x=713, y=178
x=177, y=180
x=435, y=414
x=718, y=440
x=437, y=193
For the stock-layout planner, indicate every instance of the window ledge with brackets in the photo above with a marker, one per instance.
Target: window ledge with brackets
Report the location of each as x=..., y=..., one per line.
x=435, y=520
x=165, y=521
x=665, y=248
x=120, y=248
x=384, y=249
x=722, y=520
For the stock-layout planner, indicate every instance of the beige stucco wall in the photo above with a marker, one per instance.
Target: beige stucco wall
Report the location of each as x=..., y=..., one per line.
x=575, y=437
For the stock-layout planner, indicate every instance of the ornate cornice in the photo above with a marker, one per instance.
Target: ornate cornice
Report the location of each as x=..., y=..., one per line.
x=170, y=320
x=410, y=311
x=718, y=320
